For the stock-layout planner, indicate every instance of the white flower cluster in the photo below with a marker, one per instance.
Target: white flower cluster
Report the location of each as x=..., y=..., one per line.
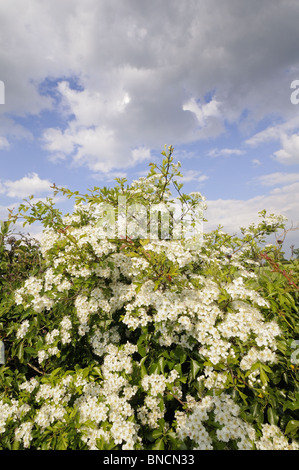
x=275, y=219
x=187, y=312
x=86, y=307
x=106, y=402
x=193, y=314
x=175, y=250
x=154, y=408
x=225, y=412
x=273, y=439
x=53, y=400
x=113, y=407
x=150, y=413
x=30, y=385
x=50, y=336
x=156, y=383
x=246, y=320
x=23, y=433
x=65, y=328
x=52, y=339
x=57, y=394
x=238, y=291
x=6, y=411
x=23, y=328
x=230, y=427
x=48, y=414
x=254, y=355
x=48, y=239
x=184, y=316
x=213, y=379
x=102, y=338
x=13, y=410
x=33, y=287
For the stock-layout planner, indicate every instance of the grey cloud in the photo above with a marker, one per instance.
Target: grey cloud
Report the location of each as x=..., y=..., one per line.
x=161, y=53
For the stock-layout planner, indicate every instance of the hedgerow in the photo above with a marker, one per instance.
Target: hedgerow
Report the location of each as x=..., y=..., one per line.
x=145, y=342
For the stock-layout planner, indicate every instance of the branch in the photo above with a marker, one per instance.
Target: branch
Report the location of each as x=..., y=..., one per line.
x=32, y=367
x=275, y=268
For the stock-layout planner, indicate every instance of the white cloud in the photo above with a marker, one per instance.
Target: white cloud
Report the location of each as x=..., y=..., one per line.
x=91, y=137
x=26, y=186
x=3, y=143
x=192, y=175
x=202, y=112
x=140, y=154
x=278, y=178
x=225, y=152
x=287, y=136
x=109, y=176
x=59, y=143
x=139, y=64
x=274, y=132
x=235, y=213
x=269, y=134
x=289, y=153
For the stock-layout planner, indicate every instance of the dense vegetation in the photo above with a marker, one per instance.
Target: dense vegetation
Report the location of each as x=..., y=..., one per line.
x=140, y=343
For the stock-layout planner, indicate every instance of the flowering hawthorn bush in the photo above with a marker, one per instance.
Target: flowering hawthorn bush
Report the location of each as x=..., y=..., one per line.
x=145, y=343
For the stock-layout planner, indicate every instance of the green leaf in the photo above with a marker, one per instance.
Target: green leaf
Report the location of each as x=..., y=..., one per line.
x=195, y=368
x=157, y=283
x=62, y=443
x=154, y=369
x=97, y=371
x=16, y=445
x=257, y=412
x=141, y=348
x=289, y=405
x=243, y=396
x=292, y=426
x=30, y=350
x=266, y=368
x=161, y=363
x=255, y=366
x=180, y=355
x=159, y=445
x=157, y=433
x=264, y=377
x=143, y=370
x=20, y=351
x=273, y=418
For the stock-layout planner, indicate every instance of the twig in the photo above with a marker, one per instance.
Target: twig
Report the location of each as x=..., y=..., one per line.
x=32, y=367
x=275, y=268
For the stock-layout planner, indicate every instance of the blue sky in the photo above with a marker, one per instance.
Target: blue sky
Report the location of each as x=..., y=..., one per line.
x=95, y=89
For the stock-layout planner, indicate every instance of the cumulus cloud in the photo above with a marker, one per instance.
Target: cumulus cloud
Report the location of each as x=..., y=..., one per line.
x=235, y=213
x=4, y=143
x=282, y=198
x=202, y=112
x=289, y=153
x=145, y=70
x=192, y=175
x=29, y=184
x=225, y=152
x=278, y=178
x=286, y=135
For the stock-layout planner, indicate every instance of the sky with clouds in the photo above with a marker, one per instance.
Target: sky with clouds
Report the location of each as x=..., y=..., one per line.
x=94, y=90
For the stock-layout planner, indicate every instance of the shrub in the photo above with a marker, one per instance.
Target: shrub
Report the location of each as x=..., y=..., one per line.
x=141, y=343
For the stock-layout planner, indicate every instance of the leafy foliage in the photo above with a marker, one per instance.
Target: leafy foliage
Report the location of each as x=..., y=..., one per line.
x=134, y=343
